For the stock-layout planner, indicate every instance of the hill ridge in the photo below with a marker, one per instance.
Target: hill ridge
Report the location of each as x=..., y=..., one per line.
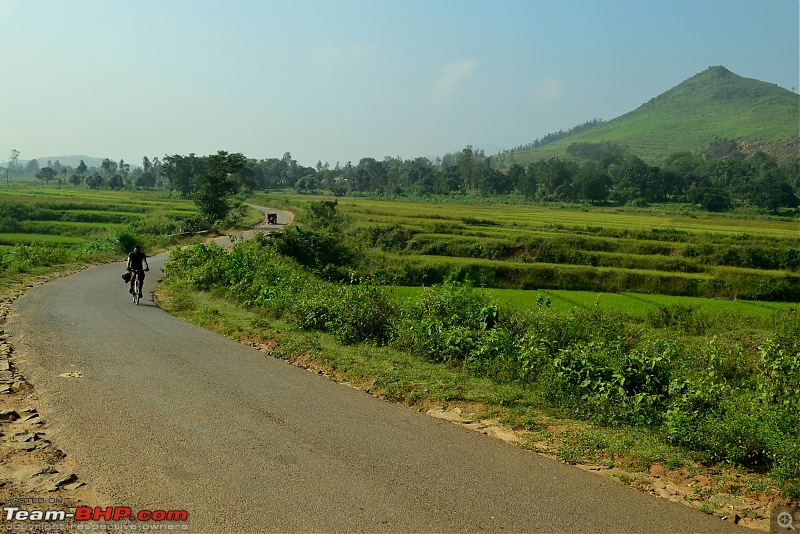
x=715, y=103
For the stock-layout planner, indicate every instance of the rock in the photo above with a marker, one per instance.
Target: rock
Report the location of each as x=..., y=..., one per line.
x=63, y=479
x=48, y=479
x=721, y=499
x=22, y=445
x=30, y=436
x=6, y=416
x=73, y=374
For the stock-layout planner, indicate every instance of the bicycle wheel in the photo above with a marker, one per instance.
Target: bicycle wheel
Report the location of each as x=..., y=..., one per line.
x=137, y=288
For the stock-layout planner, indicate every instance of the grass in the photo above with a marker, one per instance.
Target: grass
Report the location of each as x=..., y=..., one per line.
x=69, y=217
x=634, y=304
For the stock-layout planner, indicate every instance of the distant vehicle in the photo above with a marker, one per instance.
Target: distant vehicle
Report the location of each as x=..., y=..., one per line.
x=272, y=218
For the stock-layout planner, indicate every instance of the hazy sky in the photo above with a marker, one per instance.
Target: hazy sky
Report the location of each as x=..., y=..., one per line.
x=340, y=80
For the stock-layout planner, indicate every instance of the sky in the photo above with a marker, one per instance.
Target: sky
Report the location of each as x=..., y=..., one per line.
x=337, y=81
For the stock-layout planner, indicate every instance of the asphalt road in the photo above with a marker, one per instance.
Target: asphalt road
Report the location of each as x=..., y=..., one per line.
x=159, y=414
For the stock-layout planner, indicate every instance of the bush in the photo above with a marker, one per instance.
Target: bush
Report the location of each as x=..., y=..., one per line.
x=315, y=249
x=23, y=258
x=613, y=386
x=362, y=313
x=443, y=324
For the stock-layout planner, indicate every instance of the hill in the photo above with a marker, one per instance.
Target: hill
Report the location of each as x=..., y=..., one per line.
x=715, y=103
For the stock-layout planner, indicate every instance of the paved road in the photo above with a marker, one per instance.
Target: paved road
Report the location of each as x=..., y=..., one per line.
x=168, y=416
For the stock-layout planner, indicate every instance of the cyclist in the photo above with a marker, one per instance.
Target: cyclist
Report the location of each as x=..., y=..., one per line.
x=137, y=263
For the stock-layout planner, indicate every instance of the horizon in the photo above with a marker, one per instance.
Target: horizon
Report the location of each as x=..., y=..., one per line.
x=340, y=83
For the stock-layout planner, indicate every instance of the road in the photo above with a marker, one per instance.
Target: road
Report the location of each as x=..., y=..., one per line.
x=159, y=414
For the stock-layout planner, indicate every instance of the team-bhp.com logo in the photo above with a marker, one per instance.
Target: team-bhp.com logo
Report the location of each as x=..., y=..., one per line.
x=148, y=519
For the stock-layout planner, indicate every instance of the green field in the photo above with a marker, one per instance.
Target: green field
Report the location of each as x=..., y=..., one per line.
x=45, y=228
x=69, y=217
x=601, y=250
x=633, y=304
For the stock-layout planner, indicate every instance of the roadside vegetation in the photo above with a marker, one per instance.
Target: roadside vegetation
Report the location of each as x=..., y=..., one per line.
x=678, y=384
x=48, y=229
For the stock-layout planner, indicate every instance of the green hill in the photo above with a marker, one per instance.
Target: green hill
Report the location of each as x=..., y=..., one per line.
x=715, y=103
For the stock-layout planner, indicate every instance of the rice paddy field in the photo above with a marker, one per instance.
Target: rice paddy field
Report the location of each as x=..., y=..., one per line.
x=68, y=218
x=616, y=251
x=634, y=304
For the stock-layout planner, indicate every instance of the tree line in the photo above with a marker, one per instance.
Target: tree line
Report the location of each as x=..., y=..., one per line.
x=720, y=178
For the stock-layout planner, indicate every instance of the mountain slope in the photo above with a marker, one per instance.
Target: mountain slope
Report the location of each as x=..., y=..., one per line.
x=715, y=103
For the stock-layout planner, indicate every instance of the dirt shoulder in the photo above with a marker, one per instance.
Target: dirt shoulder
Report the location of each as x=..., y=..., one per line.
x=723, y=492
x=34, y=471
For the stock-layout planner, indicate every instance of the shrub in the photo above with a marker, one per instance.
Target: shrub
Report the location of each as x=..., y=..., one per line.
x=610, y=385
x=443, y=324
x=315, y=249
x=362, y=313
x=23, y=258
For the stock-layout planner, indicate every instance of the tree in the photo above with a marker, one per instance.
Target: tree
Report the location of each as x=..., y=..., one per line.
x=466, y=167
x=182, y=172
x=146, y=180
x=116, y=182
x=82, y=168
x=95, y=181
x=642, y=180
x=109, y=167
x=526, y=180
x=323, y=214
x=289, y=170
x=32, y=167
x=712, y=198
x=14, y=166
x=772, y=194
x=553, y=173
x=216, y=184
x=493, y=182
x=46, y=174
x=593, y=184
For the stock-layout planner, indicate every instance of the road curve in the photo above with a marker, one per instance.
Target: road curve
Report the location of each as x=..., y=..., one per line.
x=159, y=414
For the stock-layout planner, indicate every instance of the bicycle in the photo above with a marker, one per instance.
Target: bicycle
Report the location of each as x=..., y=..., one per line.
x=137, y=284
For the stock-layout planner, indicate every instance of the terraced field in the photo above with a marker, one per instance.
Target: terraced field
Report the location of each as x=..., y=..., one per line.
x=600, y=250
x=69, y=218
